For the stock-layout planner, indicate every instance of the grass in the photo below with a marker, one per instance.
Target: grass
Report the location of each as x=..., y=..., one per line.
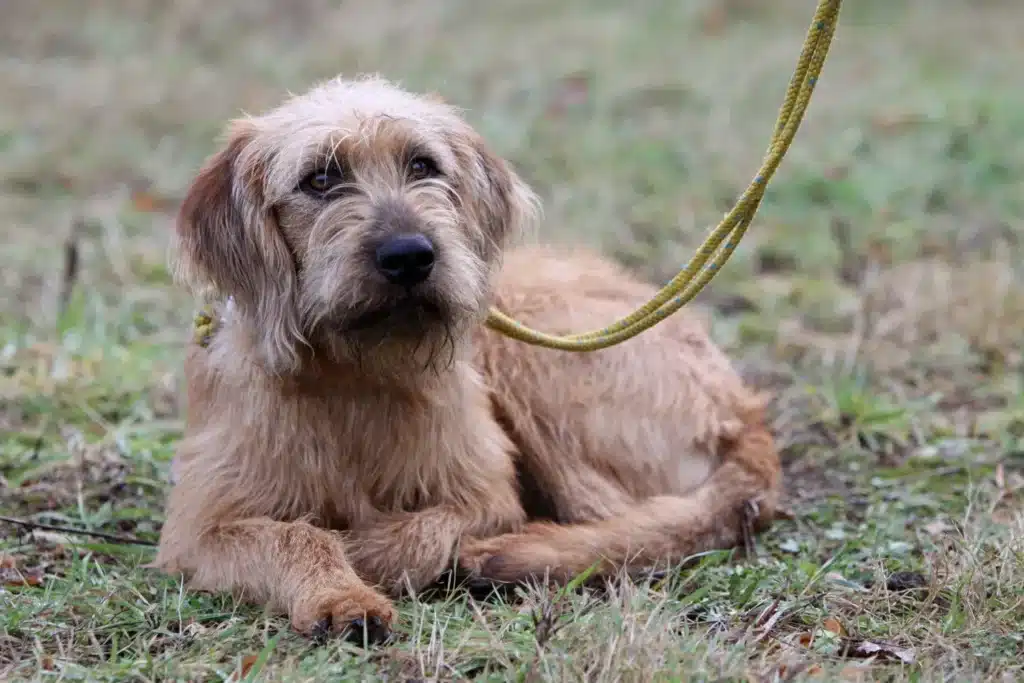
x=877, y=296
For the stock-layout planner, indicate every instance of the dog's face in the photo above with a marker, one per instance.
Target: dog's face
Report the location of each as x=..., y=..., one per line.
x=356, y=219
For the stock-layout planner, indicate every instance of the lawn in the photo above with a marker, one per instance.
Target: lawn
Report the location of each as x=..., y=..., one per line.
x=877, y=296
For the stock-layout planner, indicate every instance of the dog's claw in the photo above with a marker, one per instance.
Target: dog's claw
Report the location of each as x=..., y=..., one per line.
x=375, y=630
x=321, y=630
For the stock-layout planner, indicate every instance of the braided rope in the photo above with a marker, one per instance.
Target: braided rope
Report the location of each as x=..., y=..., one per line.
x=722, y=241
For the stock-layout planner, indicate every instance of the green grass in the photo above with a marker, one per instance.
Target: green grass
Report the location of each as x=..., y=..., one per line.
x=878, y=296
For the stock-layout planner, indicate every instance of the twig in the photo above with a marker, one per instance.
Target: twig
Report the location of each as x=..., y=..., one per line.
x=128, y=540
x=69, y=274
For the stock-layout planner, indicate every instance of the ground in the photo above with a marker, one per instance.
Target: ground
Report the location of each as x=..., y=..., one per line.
x=876, y=296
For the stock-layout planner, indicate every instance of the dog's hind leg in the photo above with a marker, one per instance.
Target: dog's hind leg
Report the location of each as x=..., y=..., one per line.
x=409, y=551
x=656, y=530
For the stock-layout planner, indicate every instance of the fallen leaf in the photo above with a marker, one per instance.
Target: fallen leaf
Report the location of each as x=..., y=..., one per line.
x=832, y=625
x=12, y=577
x=244, y=667
x=247, y=664
x=805, y=639
x=6, y=561
x=879, y=650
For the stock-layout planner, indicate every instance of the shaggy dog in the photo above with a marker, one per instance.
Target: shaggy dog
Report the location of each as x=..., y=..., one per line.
x=354, y=430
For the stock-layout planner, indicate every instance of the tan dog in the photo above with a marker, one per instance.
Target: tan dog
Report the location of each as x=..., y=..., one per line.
x=351, y=386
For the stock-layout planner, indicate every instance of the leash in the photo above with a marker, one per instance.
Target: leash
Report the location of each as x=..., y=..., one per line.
x=717, y=247
x=722, y=241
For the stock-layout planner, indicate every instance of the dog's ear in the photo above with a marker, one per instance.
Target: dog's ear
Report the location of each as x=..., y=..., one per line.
x=508, y=209
x=228, y=240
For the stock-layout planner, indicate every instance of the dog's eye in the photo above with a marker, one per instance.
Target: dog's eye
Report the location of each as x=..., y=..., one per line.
x=322, y=181
x=423, y=167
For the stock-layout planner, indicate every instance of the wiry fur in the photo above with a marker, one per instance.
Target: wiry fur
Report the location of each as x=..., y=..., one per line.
x=330, y=443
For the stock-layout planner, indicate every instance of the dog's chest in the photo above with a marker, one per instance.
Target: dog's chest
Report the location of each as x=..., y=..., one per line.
x=377, y=456
x=345, y=453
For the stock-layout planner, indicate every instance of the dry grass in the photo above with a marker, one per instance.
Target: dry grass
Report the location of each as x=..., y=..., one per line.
x=878, y=295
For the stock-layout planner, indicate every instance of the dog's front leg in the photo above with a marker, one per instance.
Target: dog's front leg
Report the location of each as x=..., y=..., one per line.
x=288, y=566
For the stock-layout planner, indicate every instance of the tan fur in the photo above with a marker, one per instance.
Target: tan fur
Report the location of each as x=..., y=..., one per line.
x=321, y=454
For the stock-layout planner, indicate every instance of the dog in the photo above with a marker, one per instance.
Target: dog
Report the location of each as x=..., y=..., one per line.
x=353, y=428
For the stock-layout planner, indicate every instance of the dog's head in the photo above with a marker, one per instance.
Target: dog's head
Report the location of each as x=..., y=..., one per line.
x=355, y=219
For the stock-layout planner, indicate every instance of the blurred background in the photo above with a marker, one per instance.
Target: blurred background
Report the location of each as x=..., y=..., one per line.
x=639, y=123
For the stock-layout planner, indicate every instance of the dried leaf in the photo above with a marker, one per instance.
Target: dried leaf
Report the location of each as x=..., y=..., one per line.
x=879, y=650
x=244, y=667
x=832, y=625
x=247, y=663
x=12, y=577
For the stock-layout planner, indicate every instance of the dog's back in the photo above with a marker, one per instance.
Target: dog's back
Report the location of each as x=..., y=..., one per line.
x=648, y=417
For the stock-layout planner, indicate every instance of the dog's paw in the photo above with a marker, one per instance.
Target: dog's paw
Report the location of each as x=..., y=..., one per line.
x=512, y=558
x=474, y=553
x=361, y=616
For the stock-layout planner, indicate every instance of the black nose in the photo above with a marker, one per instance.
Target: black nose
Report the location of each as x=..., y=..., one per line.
x=406, y=260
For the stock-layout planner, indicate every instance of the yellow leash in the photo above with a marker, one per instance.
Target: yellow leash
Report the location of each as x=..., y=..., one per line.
x=723, y=239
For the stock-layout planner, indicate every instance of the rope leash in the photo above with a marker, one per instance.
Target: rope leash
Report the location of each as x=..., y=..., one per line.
x=717, y=247
x=722, y=241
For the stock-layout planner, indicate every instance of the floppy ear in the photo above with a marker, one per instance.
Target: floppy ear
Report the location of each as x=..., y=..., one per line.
x=228, y=240
x=508, y=209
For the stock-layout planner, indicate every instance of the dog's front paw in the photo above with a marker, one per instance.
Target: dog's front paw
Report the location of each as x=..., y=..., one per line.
x=359, y=614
